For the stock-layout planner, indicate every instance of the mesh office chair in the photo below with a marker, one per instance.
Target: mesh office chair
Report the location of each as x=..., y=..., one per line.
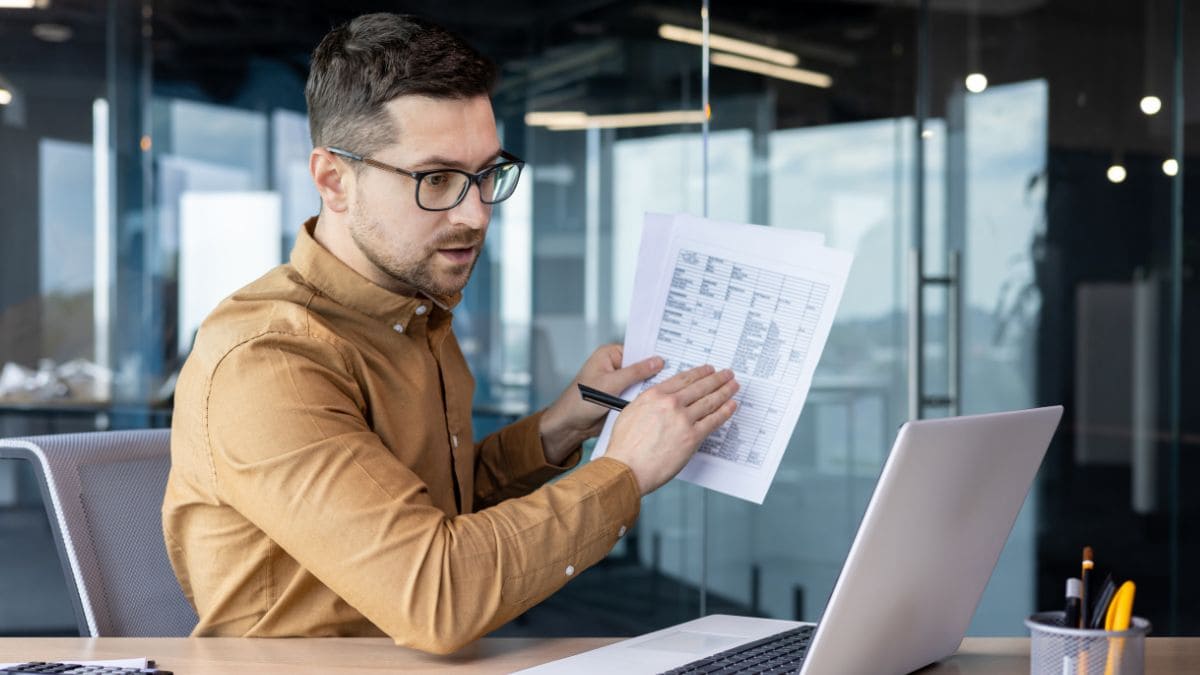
x=103, y=494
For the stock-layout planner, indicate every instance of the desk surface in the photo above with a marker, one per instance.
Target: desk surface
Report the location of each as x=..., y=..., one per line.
x=232, y=656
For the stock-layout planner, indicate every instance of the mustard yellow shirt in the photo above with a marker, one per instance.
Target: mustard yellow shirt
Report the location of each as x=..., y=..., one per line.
x=324, y=481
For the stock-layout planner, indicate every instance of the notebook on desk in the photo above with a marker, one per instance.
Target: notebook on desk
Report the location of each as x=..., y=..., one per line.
x=940, y=514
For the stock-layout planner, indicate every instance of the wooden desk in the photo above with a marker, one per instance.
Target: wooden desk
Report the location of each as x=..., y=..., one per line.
x=233, y=656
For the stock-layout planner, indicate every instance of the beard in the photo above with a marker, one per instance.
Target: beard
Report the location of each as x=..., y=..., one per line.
x=417, y=271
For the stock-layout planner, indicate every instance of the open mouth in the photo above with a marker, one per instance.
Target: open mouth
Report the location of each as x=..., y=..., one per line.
x=458, y=256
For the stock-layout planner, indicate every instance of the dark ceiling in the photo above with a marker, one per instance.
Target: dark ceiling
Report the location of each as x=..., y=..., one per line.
x=212, y=44
x=1100, y=56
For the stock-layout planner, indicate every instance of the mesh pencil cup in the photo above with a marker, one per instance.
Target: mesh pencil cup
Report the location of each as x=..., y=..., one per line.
x=1058, y=650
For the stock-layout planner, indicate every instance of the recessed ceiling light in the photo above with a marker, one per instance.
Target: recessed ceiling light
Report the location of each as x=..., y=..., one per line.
x=1170, y=167
x=1151, y=105
x=23, y=4
x=976, y=83
x=1116, y=173
x=53, y=32
x=6, y=96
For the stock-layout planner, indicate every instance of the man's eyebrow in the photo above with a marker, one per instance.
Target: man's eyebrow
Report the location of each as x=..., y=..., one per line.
x=439, y=162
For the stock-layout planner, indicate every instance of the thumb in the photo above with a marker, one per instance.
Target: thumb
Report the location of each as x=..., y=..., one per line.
x=623, y=378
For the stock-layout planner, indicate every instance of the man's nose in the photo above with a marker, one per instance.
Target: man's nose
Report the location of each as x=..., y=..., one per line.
x=471, y=211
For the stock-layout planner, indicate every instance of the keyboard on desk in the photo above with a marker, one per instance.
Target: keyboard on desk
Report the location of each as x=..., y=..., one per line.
x=57, y=668
x=774, y=654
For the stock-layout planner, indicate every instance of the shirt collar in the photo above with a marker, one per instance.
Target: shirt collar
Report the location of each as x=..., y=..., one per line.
x=334, y=279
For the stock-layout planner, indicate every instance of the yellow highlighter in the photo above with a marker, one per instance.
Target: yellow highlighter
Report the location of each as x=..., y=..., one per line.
x=1117, y=618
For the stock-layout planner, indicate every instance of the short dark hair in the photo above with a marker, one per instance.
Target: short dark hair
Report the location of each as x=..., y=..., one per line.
x=361, y=65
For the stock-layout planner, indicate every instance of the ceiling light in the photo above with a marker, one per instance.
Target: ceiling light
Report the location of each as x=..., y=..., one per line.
x=649, y=119
x=1151, y=105
x=22, y=4
x=574, y=121
x=976, y=82
x=728, y=44
x=1116, y=173
x=52, y=32
x=809, y=77
x=6, y=96
x=546, y=119
x=1171, y=167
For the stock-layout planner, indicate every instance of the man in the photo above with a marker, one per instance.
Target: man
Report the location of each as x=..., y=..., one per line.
x=324, y=480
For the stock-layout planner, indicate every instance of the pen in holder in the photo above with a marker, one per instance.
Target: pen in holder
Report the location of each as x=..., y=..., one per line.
x=1056, y=649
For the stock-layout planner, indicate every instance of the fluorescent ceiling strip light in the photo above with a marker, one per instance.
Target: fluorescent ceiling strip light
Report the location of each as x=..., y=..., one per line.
x=19, y=4
x=545, y=119
x=809, y=77
x=728, y=44
x=649, y=119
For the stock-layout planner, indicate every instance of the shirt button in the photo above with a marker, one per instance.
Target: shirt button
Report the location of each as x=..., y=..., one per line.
x=621, y=532
x=454, y=441
x=570, y=570
x=399, y=328
x=421, y=309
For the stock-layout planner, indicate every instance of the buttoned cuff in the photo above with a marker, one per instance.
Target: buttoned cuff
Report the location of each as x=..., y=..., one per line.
x=617, y=488
x=603, y=502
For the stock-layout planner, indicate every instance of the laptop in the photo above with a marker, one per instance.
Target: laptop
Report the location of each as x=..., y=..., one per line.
x=941, y=512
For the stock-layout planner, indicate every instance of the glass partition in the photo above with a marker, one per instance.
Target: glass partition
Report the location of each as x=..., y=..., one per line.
x=1010, y=176
x=1060, y=211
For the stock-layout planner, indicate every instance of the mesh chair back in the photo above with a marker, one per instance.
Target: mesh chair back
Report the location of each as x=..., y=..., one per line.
x=103, y=493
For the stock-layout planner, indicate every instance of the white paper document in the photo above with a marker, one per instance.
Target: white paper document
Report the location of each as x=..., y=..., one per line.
x=759, y=300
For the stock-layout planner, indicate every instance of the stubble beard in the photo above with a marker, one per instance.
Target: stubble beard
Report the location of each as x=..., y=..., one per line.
x=415, y=272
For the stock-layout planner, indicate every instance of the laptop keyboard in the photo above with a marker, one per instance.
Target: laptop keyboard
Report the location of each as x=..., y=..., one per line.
x=779, y=653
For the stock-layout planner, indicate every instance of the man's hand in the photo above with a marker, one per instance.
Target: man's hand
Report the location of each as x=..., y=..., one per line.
x=661, y=429
x=570, y=420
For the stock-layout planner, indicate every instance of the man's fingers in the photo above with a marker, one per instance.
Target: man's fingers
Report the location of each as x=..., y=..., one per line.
x=720, y=416
x=623, y=378
x=709, y=403
x=681, y=380
x=615, y=353
x=704, y=386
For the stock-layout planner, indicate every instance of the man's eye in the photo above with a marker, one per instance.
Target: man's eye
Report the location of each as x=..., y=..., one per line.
x=437, y=180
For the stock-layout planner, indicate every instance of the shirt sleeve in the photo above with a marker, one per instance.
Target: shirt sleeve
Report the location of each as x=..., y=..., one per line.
x=292, y=452
x=512, y=462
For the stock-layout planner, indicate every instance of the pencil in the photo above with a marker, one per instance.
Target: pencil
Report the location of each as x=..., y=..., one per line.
x=1088, y=564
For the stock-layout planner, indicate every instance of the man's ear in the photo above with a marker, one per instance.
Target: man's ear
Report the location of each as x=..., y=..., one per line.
x=333, y=177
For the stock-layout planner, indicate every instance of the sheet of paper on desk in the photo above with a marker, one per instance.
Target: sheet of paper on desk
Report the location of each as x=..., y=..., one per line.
x=111, y=663
x=760, y=300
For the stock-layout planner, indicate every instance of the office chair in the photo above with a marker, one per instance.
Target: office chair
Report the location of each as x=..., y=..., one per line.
x=103, y=493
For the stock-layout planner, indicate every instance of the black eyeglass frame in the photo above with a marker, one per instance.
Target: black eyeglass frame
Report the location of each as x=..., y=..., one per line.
x=418, y=176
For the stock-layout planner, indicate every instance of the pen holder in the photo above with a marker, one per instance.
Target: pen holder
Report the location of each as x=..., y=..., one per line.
x=1058, y=650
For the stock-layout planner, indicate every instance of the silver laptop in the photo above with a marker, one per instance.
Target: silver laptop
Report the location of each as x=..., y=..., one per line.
x=944, y=505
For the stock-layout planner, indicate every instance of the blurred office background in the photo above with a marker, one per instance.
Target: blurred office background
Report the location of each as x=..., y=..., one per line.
x=1011, y=175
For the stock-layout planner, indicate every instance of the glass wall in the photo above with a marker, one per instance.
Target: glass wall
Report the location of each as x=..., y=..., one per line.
x=1060, y=204
x=1009, y=175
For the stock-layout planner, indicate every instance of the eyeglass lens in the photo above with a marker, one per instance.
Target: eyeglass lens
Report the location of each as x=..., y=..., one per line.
x=445, y=189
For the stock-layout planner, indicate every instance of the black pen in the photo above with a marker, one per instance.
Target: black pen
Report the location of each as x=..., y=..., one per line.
x=1074, y=598
x=1100, y=604
x=600, y=398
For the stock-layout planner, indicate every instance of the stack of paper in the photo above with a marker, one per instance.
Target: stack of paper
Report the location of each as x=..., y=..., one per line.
x=759, y=300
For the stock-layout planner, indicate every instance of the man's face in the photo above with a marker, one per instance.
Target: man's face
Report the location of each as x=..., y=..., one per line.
x=430, y=251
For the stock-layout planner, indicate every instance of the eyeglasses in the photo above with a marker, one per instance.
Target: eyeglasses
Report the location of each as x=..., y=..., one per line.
x=444, y=189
